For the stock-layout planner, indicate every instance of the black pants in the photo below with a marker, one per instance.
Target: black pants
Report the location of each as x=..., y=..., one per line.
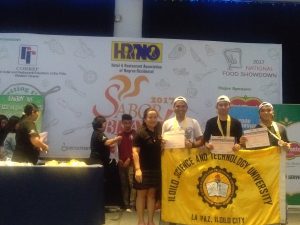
x=112, y=185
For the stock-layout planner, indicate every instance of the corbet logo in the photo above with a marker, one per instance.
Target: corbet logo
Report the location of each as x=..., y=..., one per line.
x=136, y=52
x=28, y=55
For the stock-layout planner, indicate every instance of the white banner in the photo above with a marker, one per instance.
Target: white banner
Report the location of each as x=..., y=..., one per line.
x=81, y=77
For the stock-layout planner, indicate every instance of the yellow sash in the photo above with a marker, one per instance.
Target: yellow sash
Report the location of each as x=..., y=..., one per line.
x=228, y=123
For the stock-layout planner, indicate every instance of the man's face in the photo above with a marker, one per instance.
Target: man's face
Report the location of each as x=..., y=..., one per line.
x=180, y=108
x=127, y=125
x=266, y=113
x=35, y=115
x=223, y=108
x=102, y=129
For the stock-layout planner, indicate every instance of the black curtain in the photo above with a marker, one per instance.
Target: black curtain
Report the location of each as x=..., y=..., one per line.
x=251, y=22
x=62, y=17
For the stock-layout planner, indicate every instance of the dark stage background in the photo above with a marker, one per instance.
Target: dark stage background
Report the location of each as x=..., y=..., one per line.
x=62, y=17
x=252, y=22
x=238, y=21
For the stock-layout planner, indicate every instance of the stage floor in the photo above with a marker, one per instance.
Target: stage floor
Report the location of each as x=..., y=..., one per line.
x=129, y=218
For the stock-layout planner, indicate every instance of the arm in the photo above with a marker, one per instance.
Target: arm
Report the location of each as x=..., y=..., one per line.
x=136, y=162
x=113, y=141
x=198, y=142
x=9, y=145
x=34, y=136
x=37, y=142
x=198, y=135
x=284, y=139
x=236, y=147
x=194, y=144
x=127, y=162
x=209, y=146
x=163, y=130
x=206, y=136
x=239, y=134
x=283, y=134
x=243, y=141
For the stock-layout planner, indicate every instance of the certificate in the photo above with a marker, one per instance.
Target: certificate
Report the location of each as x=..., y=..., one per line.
x=44, y=136
x=257, y=137
x=174, y=139
x=222, y=145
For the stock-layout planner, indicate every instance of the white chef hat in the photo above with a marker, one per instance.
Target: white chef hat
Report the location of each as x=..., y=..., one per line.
x=180, y=98
x=223, y=98
x=265, y=104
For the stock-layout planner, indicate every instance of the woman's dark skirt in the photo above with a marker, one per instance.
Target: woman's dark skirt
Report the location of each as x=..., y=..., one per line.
x=150, y=179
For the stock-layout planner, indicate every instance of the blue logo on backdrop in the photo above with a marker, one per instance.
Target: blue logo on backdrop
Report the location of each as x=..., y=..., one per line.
x=28, y=55
x=247, y=115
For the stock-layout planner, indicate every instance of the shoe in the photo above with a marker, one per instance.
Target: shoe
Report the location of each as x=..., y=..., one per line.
x=111, y=209
x=128, y=210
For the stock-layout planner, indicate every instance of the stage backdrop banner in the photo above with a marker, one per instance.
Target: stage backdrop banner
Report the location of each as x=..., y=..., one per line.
x=82, y=77
x=204, y=188
x=289, y=116
x=247, y=115
x=13, y=105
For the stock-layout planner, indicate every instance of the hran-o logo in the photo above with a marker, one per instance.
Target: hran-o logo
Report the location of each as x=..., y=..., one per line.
x=217, y=187
x=136, y=51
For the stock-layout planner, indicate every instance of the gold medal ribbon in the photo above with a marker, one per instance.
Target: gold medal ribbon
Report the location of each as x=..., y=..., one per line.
x=228, y=123
x=277, y=135
x=177, y=126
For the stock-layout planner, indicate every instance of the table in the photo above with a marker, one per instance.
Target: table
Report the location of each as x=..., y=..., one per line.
x=41, y=195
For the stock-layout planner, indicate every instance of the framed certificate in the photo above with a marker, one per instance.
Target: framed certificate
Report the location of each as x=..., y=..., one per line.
x=257, y=137
x=222, y=145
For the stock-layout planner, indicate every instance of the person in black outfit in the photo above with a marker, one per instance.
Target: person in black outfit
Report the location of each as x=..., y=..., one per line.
x=276, y=132
x=223, y=124
x=101, y=146
x=10, y=140
x=147, y=146
x=29, y=144
x=3, y=133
